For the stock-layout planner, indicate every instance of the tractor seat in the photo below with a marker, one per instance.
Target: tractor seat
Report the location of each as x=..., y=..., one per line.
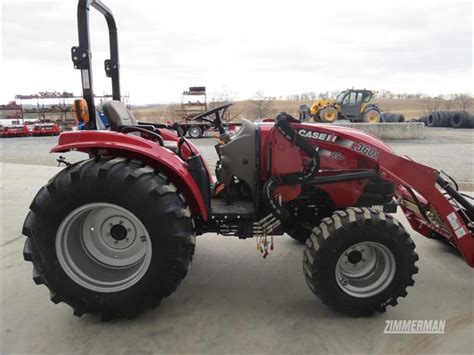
x=118, y=114
x=122, y=119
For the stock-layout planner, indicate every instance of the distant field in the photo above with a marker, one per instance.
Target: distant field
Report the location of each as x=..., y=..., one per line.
x=411, y=108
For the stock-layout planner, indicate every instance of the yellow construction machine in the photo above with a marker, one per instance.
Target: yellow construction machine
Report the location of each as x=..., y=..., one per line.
x=351, y=104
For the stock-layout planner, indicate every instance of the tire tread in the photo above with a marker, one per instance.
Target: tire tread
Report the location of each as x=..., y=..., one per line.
x=133, y=176
x=320, y=241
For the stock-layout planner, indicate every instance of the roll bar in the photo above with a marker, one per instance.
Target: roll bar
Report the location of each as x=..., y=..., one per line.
x=81, y=54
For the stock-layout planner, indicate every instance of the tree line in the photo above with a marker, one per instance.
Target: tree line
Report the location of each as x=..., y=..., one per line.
x=261, y=106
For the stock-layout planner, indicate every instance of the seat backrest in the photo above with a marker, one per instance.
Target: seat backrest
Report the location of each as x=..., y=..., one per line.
x=80, y=111
x=118, y=114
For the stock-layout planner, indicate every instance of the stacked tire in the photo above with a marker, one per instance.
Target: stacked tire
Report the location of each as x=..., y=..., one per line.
x=461, y=120
x=438, y=119
x=454, y=119
x=392, y=117
x=423, y=119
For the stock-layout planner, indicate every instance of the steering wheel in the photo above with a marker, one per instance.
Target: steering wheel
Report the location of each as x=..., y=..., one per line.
x=218, y=111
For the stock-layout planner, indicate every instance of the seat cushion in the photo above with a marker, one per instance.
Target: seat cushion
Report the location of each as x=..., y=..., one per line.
x=118, y=114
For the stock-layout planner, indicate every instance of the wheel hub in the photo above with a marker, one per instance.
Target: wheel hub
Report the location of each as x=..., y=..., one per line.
x=354, y=257
x=118, y=232
x=365, y=269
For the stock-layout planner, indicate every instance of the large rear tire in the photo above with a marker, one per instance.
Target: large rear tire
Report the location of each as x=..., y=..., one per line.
x=359, y=261
x=371, y=116
x=109, y=236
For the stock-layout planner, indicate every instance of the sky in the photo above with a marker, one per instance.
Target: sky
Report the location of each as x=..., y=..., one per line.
x=278, y=48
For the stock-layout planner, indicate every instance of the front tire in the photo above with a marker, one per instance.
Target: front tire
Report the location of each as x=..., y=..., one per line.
x=359, y=261
x=328, y=114
x=109, y=236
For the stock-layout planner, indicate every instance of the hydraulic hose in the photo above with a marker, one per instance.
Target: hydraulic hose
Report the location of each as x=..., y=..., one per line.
x=457, y=196
x=283, y=124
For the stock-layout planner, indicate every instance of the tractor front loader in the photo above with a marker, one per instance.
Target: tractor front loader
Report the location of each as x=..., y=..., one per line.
x=115, y=233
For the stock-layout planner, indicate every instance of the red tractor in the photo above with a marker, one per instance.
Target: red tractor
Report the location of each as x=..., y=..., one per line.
x=115, y=233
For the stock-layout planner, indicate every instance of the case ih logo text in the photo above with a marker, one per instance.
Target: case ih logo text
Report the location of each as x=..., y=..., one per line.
x=416, y=326
x=317, y=135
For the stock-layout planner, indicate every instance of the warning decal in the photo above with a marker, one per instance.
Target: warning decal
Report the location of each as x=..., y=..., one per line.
x=458, y=229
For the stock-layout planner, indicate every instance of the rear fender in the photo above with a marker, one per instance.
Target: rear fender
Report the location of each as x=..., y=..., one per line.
x=109, y=143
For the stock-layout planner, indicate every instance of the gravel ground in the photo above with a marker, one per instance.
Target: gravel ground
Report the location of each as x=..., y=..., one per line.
x=447, y=149
x=451, y=150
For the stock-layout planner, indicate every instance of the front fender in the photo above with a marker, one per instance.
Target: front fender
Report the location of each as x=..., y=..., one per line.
x=107, y=143
x=368, y=107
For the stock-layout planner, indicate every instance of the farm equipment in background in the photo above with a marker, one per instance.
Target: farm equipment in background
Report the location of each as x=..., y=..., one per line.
x=352, y=104
x=14, y=130
x=27, y=129
x=115, y=233
x=45, y=129
x=193, y=129
x=194, y=103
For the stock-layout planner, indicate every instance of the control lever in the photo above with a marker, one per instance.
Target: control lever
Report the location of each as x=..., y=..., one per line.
x=178, y=129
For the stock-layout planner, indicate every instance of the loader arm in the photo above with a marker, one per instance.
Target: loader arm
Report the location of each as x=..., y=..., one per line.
x=431, y=205
x=444, y=218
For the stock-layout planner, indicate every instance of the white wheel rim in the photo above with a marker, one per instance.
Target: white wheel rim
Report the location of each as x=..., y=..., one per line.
x=103, y=247
x=194, y=132
x=365, y=269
